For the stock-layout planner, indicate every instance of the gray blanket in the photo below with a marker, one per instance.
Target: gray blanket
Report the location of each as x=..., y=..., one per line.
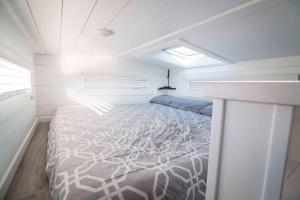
x=142, y=151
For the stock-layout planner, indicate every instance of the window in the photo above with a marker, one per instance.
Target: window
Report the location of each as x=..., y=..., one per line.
x=13, y=79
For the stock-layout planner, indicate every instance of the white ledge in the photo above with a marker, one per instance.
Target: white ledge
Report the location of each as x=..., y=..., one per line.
x=286, y=93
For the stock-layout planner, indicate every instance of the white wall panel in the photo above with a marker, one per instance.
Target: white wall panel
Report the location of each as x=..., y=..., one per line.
x=17, y=113
x=55, y=79
x=252, y=124
x=55, y=100
x=251, y=160
x=292, y=174
x=49, y=80
x=50, y=90
x=47, y=70
x=278, y=69
x=251, y=154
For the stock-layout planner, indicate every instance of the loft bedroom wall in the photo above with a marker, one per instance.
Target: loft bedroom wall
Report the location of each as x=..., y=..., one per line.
x=89, y=80
x=195, y=82
x=17, y=113
x=190, y=81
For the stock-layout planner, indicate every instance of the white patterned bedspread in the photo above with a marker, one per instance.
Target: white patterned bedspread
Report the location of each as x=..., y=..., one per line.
x=141, y=151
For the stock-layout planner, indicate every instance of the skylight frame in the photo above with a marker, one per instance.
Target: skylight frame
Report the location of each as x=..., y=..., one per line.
x=203, y=58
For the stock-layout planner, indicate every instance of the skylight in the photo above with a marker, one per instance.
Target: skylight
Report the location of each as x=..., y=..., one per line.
x=185, y=52
x=186, y=56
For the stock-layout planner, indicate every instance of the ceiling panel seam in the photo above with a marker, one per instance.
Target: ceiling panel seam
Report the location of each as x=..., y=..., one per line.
x=61, y=18
x=37, y=28
x=117, y=14
x=86, y=21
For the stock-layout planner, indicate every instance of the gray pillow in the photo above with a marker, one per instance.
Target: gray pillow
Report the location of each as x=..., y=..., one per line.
x=162, y=99
x=181, y=103
x=207, y=110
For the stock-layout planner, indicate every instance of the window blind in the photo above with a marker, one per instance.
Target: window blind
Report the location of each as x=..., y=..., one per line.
x=13, y=79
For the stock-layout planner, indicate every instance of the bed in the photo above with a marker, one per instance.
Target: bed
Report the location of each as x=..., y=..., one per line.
x=140, y=151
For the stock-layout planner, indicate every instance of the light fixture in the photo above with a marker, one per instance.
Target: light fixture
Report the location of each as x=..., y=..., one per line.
x=103, y=32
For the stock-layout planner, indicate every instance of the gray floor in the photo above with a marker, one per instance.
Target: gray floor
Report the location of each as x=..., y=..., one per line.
x=30, y=180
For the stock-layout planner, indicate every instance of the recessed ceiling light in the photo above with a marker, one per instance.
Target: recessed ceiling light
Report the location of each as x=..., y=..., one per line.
x=103, y=32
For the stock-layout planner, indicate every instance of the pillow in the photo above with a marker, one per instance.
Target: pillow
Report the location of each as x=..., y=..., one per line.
x=207, y=110
x=181, y=103
x=162, y=99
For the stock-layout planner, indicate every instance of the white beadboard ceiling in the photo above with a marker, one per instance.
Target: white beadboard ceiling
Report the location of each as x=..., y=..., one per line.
x=238, y=30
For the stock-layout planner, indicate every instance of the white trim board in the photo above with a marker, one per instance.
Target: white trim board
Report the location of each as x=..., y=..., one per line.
x=274, y=93
x=277, y=154
x=14, y=164
x=254, y=172
x=216, y=141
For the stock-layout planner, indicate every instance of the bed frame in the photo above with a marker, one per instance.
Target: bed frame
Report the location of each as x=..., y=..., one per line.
x=251, y=128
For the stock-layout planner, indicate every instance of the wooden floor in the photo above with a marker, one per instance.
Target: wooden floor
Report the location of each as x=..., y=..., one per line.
x=30, y=180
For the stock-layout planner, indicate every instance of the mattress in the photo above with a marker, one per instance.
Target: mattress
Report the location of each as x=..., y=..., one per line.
x=141, y=151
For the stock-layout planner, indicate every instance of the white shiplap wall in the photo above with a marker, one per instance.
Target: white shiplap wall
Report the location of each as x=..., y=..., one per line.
x=55, y=77
x=17, y=114
x=277, y=69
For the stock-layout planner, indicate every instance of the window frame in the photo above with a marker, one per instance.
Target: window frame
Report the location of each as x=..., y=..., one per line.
x=11, y=66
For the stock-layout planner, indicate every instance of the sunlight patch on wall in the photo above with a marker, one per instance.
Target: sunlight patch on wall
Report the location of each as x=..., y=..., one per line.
x=96, y=105
x=113, y=82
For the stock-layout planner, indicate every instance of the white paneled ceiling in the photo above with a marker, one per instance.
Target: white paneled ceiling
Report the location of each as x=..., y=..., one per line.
x=104, y=14
x=47, y=16
x=75, y=16
x=234, y=29
x=164, y=17
x=273, y=32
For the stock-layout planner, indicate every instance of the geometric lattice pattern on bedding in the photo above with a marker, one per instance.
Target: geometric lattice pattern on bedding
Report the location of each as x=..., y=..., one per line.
x=141, y=151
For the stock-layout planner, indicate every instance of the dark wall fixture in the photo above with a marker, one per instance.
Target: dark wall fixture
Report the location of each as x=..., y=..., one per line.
x=167, y=87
